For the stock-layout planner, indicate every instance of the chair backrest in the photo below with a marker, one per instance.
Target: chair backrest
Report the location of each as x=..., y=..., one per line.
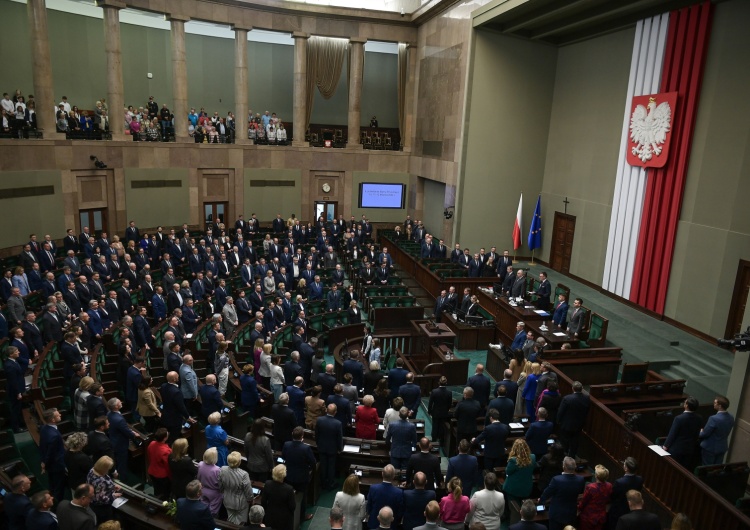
x=634, y=372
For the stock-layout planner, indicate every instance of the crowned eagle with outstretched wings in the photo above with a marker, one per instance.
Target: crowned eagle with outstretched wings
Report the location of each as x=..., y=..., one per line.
x=649, y=128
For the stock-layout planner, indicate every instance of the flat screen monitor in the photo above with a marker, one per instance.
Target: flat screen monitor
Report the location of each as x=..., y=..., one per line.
x=381, y=195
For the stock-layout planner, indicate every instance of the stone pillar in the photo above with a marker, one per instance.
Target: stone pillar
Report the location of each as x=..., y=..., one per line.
x=357, y=51
x=44, y=93
x=240, y=83
x=179, y=77
x=411, y=88
x=300, y=83
x=112, y=49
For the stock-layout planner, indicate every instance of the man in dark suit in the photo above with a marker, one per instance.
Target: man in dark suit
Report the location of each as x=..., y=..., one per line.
x=543, y=292
x=52, y=453
x=503, y=405
x=300, y=461
x=77, y=514
x=343, y=408
x=638, y=518
x=284, y=421
x=715, y=434
x=16, y=503
x=397, y=377
x=562, y=496
x=441, y=304
x=528, y=513
x=465, y=467
x=618, y=504
x=682, y=441
x=560, y=312
x=329, y=430
x=466, y=414
x=538, y=433
x=292, y=368
x=384, y=494
x=411, y=394
x=493, y=436
x=210, y=397
x=438, y=407
x=481, y=385
x=416, y=502
x=511, y=387
x=503, y=262
x=571, y=417
x=296, y=399
x=120, y=435
x=16, y=386
x=402, y=437
x=519, y=285
x=192, y=513
x=174, y=412
x=32, y=335
x=327, y=381
x=577, y=318
x=475, y=266
x=425, y=462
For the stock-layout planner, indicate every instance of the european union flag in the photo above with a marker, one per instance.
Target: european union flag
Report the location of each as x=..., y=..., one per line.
x=535, y=232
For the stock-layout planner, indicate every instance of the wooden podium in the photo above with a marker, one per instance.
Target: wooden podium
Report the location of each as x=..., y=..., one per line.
x=434, y=346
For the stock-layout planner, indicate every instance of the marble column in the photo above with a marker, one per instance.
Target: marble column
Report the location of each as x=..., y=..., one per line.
x=112, y=49
x=240, y=83
x=300, y=84
x=44, y=93
x=179, y=77
x=357, y=62
x=411, y=89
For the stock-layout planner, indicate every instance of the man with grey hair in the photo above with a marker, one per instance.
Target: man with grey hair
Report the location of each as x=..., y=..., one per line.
x=385, y=517
x=188, y=381
x=191, y=512
x=257, y=513
x=528, y=513
x=229, y=312
x=52, y=330
x=120, y=435
x=402, y=435
x=336, y=518
x=284, y=421
x=385, y=495
x=562, y=495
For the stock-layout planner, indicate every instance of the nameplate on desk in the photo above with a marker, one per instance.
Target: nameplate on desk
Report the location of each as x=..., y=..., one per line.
x=349, y=448
x=560, y=334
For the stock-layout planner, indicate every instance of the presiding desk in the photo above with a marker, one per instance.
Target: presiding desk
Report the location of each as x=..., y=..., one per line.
x=469, y=337
x=506, y=315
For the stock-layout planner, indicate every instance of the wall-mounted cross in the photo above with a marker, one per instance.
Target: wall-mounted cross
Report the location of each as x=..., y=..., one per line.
x=566, y=201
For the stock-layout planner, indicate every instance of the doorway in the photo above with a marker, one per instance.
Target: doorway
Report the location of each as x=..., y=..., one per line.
x=95, y=219
x=737, y=308
x=563, y=231
x=214, y=213
x=328, y=209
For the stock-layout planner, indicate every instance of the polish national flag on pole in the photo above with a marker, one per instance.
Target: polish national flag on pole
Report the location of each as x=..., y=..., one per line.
x=517, y=226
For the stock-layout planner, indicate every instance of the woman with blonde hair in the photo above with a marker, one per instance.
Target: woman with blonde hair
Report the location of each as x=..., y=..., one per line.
x=454, y=507
x=118, y=246
x=278, y=500
x=208, y=474
x=314, y=407
x=367, y=419
x=593, y=506
x=519, y=474
x=681, y=522
x=105, y=489
x=217, y=437
x=77, y=462
x=265, y=365
x=352, y=503
x=181, y=468
x=234, y=483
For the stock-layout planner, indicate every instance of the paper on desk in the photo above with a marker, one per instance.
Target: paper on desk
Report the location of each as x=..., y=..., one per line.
x=349, y=448
x=516, y=425
x=119, y=501
x=528, y=307
x=559, y=334
x=658, y=450
x=541, y=312
x=381, y=427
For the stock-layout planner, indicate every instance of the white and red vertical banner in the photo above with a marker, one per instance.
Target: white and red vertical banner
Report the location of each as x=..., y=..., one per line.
x=648, y=195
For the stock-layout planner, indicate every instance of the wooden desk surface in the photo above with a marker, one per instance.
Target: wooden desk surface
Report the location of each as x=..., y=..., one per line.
x=440, y=332
x=554, y=341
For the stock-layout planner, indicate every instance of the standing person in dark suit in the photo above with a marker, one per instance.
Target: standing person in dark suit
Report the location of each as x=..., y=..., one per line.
x=511, y=387
x=465, y=467
x=284, y=422
x=493, y=436
x=52, y=453
x=503, y=405
x=577, y=318
x=571, y=417
x=441, y=304
x=402, y=437
x=120, y=434
x=528, y=513
x=481, y=385
x=562, y=496
x=638, y=518
x=425, y=462
x=715, y=434
x=560, y=312
x=384, y=494
x=438, y=407
x=174, y=413
x=355, y=367
x=41, y=517
x=416, y=509
x=98, y=444
x=16, y=386
x=538, y=433
x=544, y=292
x=192, y=513
x=618, y=504
x=682, y=441
x=77, y=514
x=329, y=430
x=300, y=461
x=17, y=504
x=466, y=414
x=397, y=377
x=411, y=394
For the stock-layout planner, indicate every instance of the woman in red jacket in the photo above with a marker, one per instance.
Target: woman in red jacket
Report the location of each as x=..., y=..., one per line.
x=367, y=419
x=158, y=463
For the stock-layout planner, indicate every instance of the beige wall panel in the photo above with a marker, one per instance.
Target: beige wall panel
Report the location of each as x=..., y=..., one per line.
x=25, y=215
x=267, y=201
x=157, y=206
